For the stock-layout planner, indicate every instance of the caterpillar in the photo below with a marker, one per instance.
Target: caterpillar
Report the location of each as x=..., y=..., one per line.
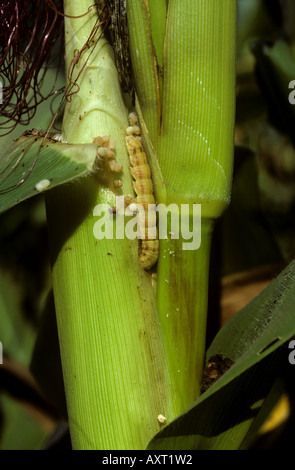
x=143, y=188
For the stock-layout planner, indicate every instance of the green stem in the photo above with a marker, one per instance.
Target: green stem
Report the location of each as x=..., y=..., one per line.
x=182, y=293
x=111, y=349
x=130, y=353
x=113, y=360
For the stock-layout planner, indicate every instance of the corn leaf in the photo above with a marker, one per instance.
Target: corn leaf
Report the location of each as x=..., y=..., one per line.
x=34, y=164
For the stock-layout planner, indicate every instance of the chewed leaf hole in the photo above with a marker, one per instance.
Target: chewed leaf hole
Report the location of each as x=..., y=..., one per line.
x=270, y=345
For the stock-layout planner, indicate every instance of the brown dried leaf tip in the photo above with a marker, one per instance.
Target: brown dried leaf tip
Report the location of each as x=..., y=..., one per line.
x=216, y=367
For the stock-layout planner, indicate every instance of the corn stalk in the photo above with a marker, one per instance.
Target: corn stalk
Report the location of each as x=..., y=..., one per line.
x=133, y=346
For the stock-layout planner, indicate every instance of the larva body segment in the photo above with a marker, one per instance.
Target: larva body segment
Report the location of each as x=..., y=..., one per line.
x=141, y=172
x=143, y=188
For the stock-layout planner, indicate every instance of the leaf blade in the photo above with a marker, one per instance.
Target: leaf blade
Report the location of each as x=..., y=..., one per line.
x=31, y=160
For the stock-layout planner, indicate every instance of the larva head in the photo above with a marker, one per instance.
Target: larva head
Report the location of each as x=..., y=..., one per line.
x=149, y=253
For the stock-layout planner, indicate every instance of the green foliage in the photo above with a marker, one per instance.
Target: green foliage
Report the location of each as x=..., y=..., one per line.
x=34, y=164
x=257, y=229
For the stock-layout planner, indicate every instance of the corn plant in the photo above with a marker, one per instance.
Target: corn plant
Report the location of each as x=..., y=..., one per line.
x=136, y=368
